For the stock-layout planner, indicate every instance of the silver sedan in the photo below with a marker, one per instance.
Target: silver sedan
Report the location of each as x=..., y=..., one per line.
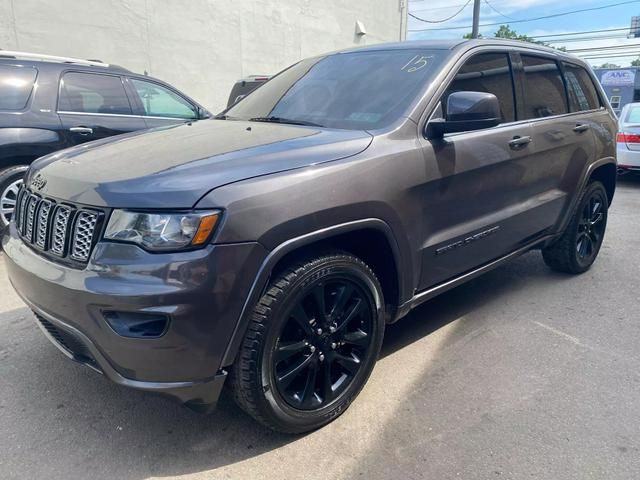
x=628, y=139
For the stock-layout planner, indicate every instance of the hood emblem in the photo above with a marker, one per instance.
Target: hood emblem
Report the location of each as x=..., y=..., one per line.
x=38, y=182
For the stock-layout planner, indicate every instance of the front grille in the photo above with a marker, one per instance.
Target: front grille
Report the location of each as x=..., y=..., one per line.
x=60, y=229
x=69, y=342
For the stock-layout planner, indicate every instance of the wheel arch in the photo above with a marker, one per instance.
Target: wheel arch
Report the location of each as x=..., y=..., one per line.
x=380, y=252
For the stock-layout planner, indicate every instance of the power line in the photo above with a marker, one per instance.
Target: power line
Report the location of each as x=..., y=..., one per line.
x=444, y=19
x=580, y=39
x=580, y=33
x=497, y=11
x=544, y=17
x=610, y=47
x=622, y=55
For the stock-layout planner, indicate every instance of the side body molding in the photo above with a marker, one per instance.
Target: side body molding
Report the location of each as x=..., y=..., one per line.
x=264, y=272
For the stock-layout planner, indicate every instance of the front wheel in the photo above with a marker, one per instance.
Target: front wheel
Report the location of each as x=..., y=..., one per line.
x=311, y=345
x=10, y=182
x=577, y=248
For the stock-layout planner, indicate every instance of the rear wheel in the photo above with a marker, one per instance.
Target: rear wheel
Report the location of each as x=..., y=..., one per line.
x=10, y=182
x=577, y=248
x=313, y=340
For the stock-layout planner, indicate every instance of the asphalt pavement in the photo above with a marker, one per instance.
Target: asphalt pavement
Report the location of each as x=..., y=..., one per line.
x=522, y=373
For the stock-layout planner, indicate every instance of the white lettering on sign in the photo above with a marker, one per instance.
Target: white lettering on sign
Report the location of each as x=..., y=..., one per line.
x=618, y=78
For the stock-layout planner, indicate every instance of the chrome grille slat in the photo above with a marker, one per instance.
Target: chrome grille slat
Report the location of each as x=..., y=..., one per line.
x=59, y=229
x=29, y=218
x=83, y=235
x=42, y=223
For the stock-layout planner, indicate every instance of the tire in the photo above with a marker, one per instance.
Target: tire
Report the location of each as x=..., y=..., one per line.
x=289, y=392
x=10, y=179
x=578, y=246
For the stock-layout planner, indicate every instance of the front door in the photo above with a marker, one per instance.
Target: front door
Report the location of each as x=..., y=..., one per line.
x=93, y=106
x=477, y=207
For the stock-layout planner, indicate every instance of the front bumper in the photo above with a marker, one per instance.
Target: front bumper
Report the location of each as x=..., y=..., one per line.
x=201, y=292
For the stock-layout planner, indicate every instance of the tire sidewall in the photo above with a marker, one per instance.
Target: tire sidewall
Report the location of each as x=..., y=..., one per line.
x=276, y=406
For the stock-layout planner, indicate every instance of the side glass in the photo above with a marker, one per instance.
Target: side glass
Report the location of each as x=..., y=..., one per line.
x=158, y=101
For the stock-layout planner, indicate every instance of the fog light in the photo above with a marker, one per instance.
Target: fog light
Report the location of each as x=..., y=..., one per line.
x=137, y=324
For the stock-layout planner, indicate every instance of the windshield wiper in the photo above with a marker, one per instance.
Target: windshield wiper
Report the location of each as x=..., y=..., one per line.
x=285, y=120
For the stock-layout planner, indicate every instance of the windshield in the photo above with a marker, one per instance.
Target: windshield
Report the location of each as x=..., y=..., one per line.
x=355, y=91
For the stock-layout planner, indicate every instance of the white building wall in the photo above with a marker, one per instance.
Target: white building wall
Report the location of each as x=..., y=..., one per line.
x=200, y=46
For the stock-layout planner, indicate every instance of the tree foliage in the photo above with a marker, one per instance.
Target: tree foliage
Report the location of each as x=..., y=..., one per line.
x=505, y=31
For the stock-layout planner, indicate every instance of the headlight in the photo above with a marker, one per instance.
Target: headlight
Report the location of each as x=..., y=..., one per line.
x=162, y=231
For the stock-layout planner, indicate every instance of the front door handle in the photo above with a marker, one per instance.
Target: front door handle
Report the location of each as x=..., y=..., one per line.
x=519, y=142
x=581, y=128
x=81, y=130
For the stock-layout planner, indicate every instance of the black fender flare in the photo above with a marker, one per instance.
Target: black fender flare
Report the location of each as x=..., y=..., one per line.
x=264, y=272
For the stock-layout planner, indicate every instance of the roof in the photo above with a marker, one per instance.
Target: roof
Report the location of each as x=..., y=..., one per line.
x=450, y=44
x=53, y=59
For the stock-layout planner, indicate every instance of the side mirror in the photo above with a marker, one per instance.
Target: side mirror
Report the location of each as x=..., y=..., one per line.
x=203, y=114
x=466, y=111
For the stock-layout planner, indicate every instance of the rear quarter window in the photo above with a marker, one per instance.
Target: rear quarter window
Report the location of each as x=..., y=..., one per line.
x=16, y=86
x=582, y=92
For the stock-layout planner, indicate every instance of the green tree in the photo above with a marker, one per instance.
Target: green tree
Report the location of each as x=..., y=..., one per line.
x=636, y=62
x=505, y=31
x=609, y=65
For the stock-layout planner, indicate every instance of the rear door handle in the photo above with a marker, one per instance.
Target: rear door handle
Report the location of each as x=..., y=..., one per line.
x=519, y=142
x=81, y=130
x=581, y=128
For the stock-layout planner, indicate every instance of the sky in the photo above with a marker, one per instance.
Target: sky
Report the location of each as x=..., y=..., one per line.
x=603, y=19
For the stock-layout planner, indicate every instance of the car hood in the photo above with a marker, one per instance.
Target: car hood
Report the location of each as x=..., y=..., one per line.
x=174, y=167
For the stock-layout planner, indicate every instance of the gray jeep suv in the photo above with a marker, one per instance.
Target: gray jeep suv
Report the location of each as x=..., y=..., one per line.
x=268, y=247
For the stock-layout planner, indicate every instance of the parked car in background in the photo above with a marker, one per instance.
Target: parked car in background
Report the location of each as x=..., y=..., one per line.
x=245, y=86
x=628, y=139
x=75, y=101
x=269, y=248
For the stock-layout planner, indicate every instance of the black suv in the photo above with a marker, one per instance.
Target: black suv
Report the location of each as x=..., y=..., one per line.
x=48, y=103
x=270, y=246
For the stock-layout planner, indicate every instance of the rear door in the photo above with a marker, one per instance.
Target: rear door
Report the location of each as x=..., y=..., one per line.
x=563, y=141
x=93, y=106
x=477, y=203
x=160, y=105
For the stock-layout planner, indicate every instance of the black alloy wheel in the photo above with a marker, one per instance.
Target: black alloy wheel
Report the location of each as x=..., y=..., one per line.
x=591, y=227
x=311, y=344
x=577, y=248
x=323, y=343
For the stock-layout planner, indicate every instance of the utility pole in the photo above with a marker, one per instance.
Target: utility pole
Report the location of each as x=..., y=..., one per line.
x=476, y=19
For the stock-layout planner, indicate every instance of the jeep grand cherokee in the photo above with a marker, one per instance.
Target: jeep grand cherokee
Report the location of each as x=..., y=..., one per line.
x=267, y=248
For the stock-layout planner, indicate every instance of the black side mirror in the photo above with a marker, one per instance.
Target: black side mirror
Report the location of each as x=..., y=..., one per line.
x=466, y=111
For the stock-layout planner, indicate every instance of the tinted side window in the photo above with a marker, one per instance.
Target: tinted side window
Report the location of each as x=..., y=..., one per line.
x=582, y=92
x=16, y=84
x=158, y=101
x=93, y=93
x=489, y=73
x=543, y=88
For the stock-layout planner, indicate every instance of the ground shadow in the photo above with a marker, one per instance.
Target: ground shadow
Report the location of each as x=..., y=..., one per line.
x=50, y=405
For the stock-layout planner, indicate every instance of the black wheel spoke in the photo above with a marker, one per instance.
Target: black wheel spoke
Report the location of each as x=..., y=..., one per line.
x=348, y=363
x=351, y=314
x=357, y=338
x=286, y=350
x=293, y=371
x=320, y=301
x=308, y=397
x=302, y=319
x=327, y=385
x=344, y=295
